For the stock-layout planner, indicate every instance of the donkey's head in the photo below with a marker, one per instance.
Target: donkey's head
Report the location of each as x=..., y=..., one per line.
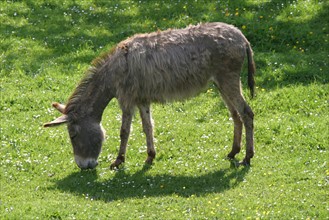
x=86, y=135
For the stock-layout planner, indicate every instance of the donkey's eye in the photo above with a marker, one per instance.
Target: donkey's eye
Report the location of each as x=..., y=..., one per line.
x=73, y=136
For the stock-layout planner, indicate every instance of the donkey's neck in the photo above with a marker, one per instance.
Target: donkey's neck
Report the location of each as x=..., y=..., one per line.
x=91, y=97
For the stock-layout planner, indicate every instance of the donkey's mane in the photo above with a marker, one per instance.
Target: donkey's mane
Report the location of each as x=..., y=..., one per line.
x=91, y=75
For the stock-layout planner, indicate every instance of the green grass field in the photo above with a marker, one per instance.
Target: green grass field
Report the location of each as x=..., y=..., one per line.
x=45, y=48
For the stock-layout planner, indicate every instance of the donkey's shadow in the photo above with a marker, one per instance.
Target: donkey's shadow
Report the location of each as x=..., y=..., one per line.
x=141, y=184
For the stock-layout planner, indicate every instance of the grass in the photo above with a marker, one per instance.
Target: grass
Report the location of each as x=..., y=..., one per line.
x=46, y=46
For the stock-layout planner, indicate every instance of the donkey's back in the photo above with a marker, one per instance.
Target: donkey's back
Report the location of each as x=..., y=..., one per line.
x=178, y=63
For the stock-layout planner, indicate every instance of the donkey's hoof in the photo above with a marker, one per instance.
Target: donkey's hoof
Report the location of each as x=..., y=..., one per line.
x=245, y=162
x=115, y=165
x=231, y=157
x=149, y=160
x=232, y=154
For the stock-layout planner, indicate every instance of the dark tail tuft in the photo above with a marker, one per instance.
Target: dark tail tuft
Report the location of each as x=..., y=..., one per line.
x=251, y=71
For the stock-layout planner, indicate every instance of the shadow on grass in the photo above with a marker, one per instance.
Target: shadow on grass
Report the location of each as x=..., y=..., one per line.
x=142, y=185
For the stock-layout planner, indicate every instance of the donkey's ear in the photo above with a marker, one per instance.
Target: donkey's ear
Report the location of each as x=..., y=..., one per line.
x=59, y=107
x=56, y=122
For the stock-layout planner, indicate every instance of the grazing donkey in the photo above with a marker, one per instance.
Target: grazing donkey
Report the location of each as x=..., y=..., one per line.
x=159, y=67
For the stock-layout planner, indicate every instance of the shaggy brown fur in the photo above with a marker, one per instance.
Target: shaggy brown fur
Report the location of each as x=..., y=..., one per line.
x=160, y=67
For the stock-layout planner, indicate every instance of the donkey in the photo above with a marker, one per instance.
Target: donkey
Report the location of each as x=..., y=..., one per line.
x=159, y=67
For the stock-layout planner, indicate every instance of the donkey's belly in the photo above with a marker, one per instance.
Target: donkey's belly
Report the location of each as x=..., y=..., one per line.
x=175, y=90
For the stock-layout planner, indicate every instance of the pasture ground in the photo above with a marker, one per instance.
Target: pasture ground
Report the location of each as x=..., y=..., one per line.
x=46, y=46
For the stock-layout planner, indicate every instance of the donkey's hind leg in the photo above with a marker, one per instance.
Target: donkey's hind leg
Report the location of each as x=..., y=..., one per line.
x=236, y=147
x=241, y=113
x=145, y=114
x=248, y=120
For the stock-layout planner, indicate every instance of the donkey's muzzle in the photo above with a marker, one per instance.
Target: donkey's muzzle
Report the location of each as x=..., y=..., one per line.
x=85, y=163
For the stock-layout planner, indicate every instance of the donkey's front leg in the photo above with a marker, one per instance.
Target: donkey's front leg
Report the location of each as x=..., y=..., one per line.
x=124, y=134
x=145, y=114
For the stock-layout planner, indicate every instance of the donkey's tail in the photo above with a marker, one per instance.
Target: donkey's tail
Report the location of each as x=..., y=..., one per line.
x=251, y=70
